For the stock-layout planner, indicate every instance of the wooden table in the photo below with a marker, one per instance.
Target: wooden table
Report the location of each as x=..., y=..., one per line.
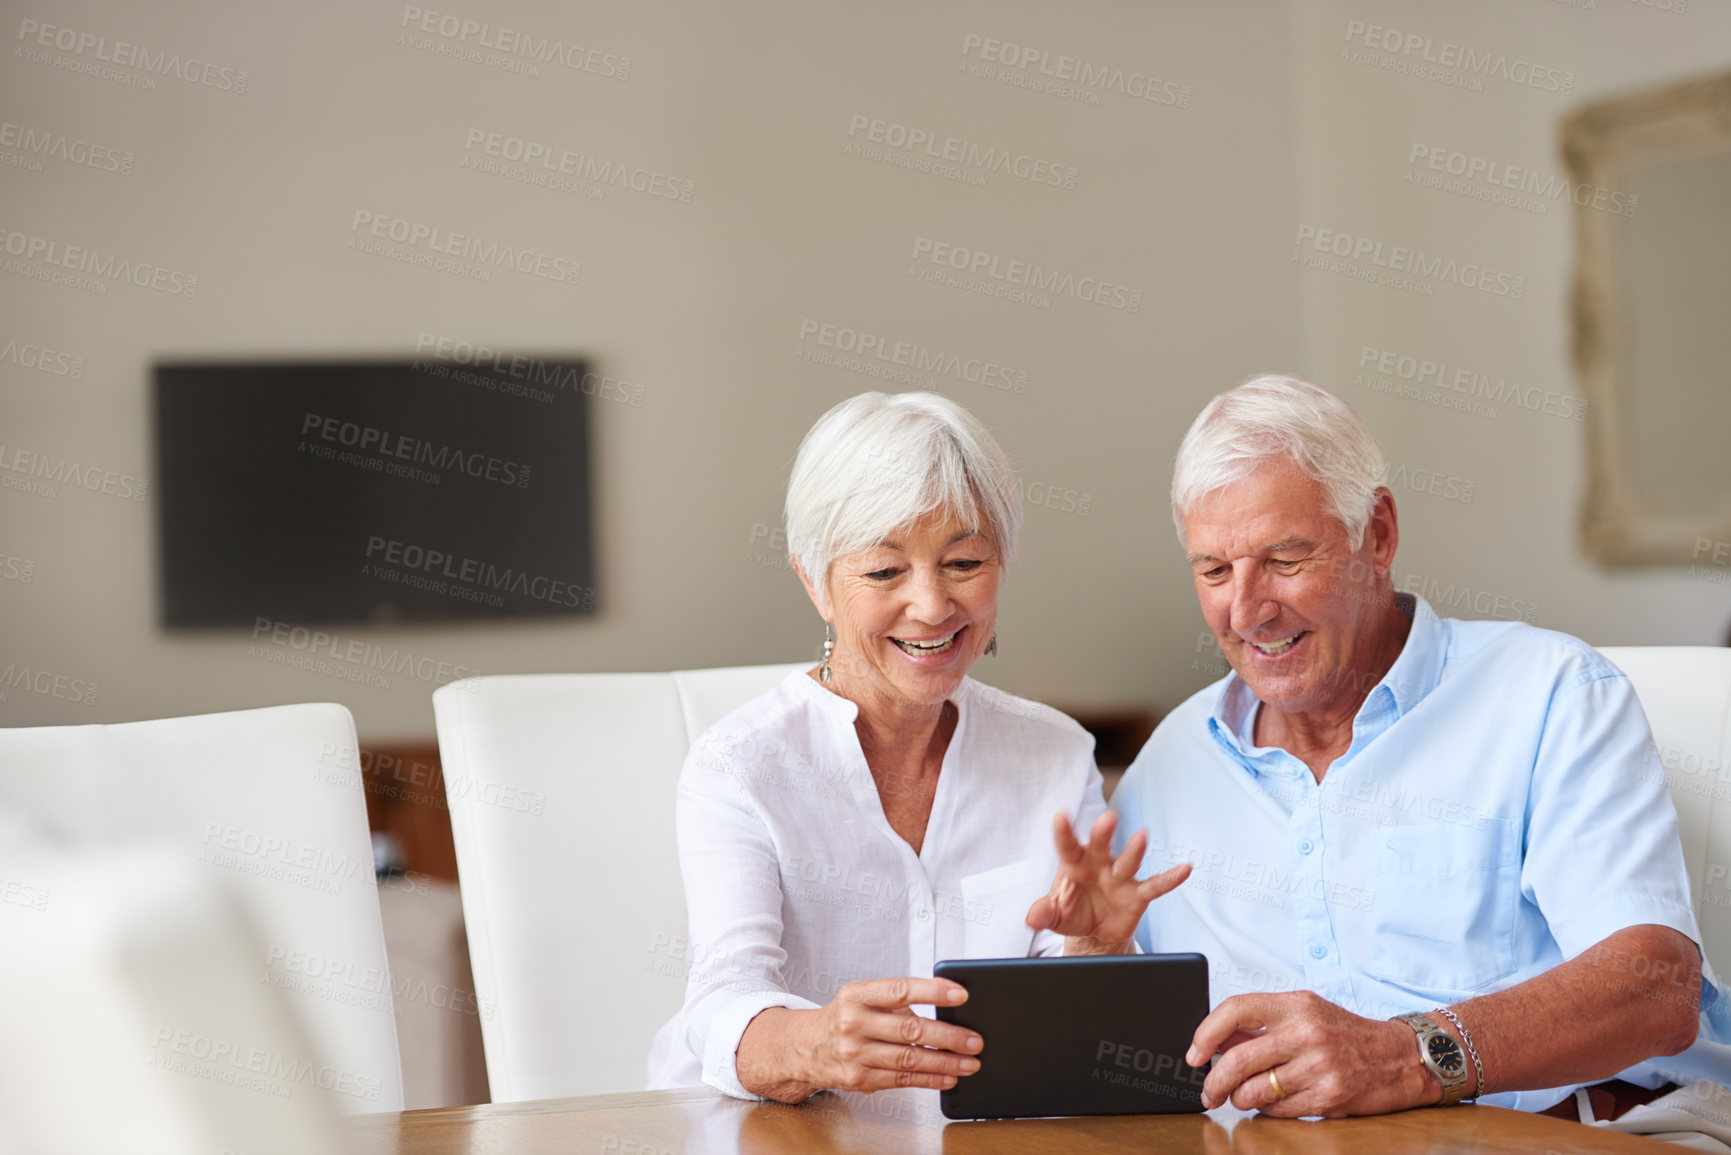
x=900, y=1122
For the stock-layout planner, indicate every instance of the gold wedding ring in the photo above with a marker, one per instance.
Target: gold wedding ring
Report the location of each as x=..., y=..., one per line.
x=1275, y=1083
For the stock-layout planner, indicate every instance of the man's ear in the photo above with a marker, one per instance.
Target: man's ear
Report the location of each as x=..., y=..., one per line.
x=1383, y=531
x=810, y=590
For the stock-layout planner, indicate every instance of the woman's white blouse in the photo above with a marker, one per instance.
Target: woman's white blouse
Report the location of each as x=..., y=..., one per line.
x=796, y=884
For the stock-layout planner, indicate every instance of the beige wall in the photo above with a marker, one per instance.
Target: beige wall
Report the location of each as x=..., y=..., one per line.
x=1516, y=540
x=1193, y=204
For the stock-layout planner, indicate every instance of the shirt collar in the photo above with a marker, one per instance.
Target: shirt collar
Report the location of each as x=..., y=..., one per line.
x=1415, y=673
x=1419, y=667
x=845, y=711
x=821, y=697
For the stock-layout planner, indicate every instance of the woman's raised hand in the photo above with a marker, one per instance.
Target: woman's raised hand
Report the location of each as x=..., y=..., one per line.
x=1095, y=901
x=865, y=1039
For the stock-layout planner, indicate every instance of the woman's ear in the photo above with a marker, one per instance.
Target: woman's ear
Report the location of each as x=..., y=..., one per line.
x=810, y=590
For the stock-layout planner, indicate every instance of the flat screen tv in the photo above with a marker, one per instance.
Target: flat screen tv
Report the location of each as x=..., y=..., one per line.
x=372, y=491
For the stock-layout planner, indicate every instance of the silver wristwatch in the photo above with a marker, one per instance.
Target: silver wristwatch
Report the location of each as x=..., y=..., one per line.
x=1441, y=1055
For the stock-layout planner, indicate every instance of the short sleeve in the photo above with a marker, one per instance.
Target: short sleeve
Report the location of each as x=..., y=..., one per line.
x=1600, y=839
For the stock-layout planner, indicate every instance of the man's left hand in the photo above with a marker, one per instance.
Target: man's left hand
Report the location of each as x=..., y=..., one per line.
x=1326, y=1060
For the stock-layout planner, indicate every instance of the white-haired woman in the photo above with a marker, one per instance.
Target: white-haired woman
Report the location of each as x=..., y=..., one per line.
x=845, y=831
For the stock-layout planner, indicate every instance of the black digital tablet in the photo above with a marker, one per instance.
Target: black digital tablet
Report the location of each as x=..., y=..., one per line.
x=1102, y=1035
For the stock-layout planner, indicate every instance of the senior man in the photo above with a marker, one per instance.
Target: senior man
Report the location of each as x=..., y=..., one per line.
x=1435, y=858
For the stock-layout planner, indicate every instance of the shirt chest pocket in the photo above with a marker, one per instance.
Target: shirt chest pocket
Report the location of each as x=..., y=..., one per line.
x=994, y=906
x=1443, y=918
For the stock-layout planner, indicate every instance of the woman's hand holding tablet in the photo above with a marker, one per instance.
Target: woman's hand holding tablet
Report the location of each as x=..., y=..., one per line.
x=865, y=1039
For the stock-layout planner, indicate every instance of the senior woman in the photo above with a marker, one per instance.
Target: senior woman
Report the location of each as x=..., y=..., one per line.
x=864, y=819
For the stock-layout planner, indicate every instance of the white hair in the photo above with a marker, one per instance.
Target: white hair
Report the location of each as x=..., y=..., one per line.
x=1270, y=418
x=877, y=463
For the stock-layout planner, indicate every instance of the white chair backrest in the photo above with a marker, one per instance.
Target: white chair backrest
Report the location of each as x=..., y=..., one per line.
x=271, y=802
x=708, y=696
x=1686, y=693
x=561, y=791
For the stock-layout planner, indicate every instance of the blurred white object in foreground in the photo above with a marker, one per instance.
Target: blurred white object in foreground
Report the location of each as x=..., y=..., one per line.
x=136, y=1019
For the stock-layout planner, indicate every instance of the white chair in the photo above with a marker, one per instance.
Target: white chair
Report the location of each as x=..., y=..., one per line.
x=561, y=792
x=271, y=802
x=1686, y=693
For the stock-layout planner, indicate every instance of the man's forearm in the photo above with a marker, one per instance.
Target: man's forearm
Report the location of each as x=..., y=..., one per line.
x=1628, y=998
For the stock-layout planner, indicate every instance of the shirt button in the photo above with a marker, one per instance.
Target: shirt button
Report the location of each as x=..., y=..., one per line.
x=925, y=914
x=1306, y=846
x=1318, y=951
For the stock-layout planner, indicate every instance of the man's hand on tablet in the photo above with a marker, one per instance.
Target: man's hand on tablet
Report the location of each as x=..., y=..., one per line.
x=1095, y=901
x=1326, y=1060
x=865, y=1039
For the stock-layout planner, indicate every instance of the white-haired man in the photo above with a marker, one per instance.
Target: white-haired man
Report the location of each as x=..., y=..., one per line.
x=1434, y=859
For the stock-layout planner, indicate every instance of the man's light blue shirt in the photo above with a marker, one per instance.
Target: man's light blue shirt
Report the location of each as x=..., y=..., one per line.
x=1500, y=809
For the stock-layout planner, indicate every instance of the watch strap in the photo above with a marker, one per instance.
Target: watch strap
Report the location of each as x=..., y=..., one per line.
x=1454, y=1086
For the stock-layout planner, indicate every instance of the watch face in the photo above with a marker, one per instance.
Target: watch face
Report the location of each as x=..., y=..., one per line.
x=1446, y=1054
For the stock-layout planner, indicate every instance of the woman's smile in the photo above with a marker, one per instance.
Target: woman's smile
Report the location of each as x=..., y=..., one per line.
x=922, y=647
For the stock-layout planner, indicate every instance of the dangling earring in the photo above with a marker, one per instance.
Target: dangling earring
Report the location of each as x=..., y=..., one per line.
x=992, y=646
x=823, y=674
